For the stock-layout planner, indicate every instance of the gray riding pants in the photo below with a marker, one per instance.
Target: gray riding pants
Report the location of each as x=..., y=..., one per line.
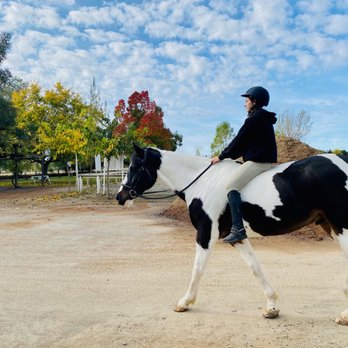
x=245, y=173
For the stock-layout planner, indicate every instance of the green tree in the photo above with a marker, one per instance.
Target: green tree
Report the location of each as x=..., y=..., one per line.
x=97, y=133
x=12, y=140
x=7, y=112
x=339, y=152
x=223, y=136
x=7, y=124
x=5, y=44
x=103, y=142
x=56, y=121
x=10, y=135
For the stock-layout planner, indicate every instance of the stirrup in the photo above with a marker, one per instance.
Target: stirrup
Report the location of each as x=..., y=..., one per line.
x=235, y=236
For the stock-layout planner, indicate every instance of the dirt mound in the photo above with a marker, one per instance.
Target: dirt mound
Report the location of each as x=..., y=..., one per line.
x=288, y=150
x=292, y=150
x=178, y=211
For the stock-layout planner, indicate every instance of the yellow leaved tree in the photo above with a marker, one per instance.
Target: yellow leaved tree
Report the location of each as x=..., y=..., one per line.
x=58, y=123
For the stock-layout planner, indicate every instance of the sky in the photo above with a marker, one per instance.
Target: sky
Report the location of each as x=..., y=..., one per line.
x=195, y=58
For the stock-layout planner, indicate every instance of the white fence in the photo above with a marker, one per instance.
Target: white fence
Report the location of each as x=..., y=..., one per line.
x=117, y=171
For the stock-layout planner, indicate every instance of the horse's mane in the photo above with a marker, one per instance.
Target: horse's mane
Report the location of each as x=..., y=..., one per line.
x=190, y=161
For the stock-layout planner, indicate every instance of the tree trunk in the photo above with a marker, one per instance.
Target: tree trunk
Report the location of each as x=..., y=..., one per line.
x=108, y=178
x=15, y=174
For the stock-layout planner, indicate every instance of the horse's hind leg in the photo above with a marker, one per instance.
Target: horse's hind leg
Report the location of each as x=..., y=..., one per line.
x=249, y=257
x=343, y=241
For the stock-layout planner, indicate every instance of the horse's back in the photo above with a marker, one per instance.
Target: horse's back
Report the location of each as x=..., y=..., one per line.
x=344, y=158
x=296, y=193
x=328, y=170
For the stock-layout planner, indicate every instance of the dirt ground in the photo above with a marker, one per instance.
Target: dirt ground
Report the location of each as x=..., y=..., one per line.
x=80, y=271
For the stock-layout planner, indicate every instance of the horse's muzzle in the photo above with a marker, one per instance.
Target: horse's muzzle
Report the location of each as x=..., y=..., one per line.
x=124, y=195
x=121, y=198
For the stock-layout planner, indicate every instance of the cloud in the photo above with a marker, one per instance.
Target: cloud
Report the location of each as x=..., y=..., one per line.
x=305, y=60
x=315, y=7
x=60, y=3
x=226, y=7
x=103, y=36
x=17, y=14
x=177, y=51
x=214, y=26
x=166, y=30
x=337, y=24
x=24, y=53
x=268, y=16
x=192, y=56
x=342, y=4
x=92, y=16
x=127, y=18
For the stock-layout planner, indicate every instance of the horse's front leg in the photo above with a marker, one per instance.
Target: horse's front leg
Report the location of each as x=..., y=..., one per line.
x=201, y=259
x=249, y=257
x=343, y=242
x=343, y=318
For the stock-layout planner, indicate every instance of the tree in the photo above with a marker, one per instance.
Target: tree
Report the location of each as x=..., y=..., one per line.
x=56, y=120
x=5, y=44
x=339, y=152
x=9, y=132
x=142, y=121
x=223, y=136
x=292, y=125
x=104, y=143
x=99, y=141
x=12, y=140
x=7, y=123
x=7, y=112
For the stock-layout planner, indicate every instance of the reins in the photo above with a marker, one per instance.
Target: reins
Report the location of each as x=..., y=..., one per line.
x=176, y=193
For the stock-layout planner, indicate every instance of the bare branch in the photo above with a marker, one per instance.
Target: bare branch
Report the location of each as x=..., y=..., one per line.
x=292, y=125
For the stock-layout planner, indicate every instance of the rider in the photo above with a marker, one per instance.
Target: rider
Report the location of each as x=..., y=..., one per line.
x=256, y=143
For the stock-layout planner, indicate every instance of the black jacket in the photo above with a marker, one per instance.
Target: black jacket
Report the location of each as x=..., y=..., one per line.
x=255, y=141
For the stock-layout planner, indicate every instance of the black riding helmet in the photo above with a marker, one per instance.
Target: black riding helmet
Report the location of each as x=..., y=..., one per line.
x=259, y=94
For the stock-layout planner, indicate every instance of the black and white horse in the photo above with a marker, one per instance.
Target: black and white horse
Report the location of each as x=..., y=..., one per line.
x=281, y=200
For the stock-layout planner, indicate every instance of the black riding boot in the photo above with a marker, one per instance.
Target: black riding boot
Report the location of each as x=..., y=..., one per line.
x=237, y=231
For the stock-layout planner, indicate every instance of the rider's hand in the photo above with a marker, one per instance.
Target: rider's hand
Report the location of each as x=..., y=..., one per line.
x=215, y=159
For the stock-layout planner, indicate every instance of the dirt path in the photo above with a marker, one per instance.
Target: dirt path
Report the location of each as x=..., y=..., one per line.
x=79, y=272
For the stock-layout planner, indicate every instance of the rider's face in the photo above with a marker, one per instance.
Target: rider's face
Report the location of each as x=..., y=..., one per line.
x=248, y=104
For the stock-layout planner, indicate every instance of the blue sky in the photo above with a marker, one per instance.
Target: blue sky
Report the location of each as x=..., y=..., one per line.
x=194, y=57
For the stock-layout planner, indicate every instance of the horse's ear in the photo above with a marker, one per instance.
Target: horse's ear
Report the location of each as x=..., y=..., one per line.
x=138, y=150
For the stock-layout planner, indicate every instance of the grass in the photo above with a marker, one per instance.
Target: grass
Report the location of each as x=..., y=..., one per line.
x=55, y=181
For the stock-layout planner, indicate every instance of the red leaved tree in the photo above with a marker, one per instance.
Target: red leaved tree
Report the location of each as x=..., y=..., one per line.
x=142, y=121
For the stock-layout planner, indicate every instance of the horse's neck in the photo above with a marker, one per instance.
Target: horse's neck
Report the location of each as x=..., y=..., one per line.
x=178, y=170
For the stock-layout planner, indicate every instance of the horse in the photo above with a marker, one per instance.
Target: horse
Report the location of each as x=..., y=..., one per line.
x=286, y=197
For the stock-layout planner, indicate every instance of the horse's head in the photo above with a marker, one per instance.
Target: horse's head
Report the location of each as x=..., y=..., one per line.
x=141, y=175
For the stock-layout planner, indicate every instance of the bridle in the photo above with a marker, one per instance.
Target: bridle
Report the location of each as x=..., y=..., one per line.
x=133, y=193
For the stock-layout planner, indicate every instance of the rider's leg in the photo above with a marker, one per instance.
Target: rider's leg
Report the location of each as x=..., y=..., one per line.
x=241, y=177
x=237, y=232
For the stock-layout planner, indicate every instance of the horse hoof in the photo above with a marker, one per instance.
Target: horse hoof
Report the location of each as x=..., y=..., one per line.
x=342, y=321
x=271, y=313
x=180, y=309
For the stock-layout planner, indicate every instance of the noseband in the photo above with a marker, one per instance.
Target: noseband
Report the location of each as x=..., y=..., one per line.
x=132, y=192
